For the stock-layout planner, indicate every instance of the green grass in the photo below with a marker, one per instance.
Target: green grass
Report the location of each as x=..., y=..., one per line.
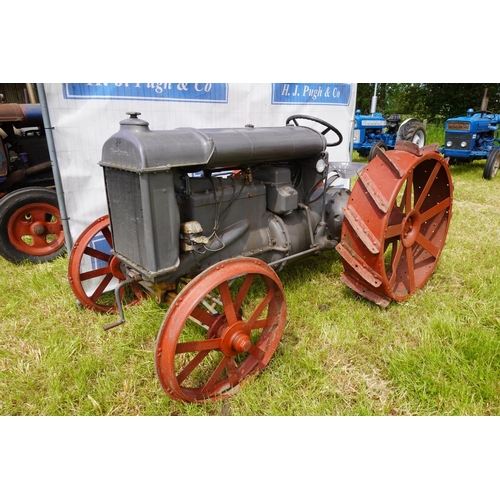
x=438, y=353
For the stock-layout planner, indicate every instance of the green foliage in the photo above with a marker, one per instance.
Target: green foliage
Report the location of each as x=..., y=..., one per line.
x=431, y=101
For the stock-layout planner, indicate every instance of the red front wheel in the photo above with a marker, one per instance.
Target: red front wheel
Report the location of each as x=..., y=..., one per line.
x=221, y=328
x=94, y=271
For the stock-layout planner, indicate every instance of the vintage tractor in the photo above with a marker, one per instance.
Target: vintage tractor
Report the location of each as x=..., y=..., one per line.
x=30, y=221
x=211, y=247
x=373, y=131
x=474, y=137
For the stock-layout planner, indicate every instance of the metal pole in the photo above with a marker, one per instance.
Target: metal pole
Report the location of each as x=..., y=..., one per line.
x=55, y=165
x=31, y=93
x=373, y=107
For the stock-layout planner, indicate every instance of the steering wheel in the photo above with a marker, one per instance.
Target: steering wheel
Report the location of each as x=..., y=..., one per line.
x=484, y=112
x=329, y=126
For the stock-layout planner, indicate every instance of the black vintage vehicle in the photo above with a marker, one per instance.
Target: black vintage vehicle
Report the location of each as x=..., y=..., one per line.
x=30, y=221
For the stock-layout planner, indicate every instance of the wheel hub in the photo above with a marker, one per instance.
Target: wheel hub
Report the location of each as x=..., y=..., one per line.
x=411, y=228
x=39, y=230
x=116, y=270
x=236, y=339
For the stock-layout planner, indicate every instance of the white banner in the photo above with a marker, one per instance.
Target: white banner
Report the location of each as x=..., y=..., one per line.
x=85, y=115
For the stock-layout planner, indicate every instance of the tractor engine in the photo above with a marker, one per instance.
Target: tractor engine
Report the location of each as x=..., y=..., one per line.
x=181, y=200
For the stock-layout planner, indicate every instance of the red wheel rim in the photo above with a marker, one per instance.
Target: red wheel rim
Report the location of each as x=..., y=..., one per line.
x=93, y=270
x=36, y=229
x=221, y=328
x=396, y=223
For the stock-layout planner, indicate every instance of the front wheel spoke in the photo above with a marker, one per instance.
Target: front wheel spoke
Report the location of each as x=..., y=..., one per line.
x=95, y=273
x=428, y=245
x=215, y=375
x=198, y=345
x=106, y=232
x=202, y=316
x=227, y=301
x=188, y=369
x=97, y=254
x=102, y=286
x=435, y=210
x=256, y=314
x=265, y=322
x=242, y=293
x=232, y=374
x=427, y=187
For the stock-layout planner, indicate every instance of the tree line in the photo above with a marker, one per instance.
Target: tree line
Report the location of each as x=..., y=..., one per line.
x=434, y=102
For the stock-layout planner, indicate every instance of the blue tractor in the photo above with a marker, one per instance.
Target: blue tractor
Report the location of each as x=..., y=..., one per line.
x=474, y=137
x=374, y=131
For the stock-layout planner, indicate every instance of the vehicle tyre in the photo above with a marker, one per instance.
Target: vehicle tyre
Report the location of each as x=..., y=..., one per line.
x=30, y=226
x=414, y=131
x=373, y=151
x=492, y=164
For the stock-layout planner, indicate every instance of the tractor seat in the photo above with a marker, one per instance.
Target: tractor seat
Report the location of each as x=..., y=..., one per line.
x=394, y=120
x=393, y=123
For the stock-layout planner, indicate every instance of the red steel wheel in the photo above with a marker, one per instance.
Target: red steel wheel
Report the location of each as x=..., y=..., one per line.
x=30, y=226
x=221, y=328
x=93, y=270
x=396, y=222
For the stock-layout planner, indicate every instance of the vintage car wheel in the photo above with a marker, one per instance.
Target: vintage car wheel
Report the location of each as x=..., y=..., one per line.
x=492, y=164
x=30, y=226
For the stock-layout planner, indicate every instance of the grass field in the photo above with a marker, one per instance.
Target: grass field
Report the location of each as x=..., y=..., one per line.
x=436, y=354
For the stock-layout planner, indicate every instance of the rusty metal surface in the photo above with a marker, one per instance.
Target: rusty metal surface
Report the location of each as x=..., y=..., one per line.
x=11, y=112
x=216, y=333
x=407, y=210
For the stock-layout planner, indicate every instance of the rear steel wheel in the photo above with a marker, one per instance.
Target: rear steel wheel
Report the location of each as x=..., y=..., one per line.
x=396, y=222
x=94, y=272
x=221, y=328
